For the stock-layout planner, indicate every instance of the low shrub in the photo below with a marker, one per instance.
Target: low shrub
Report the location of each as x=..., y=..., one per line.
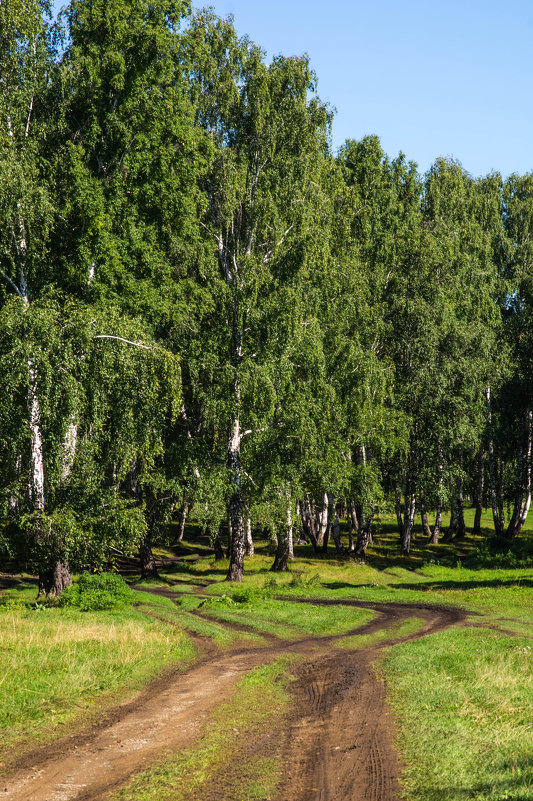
x=502, y=553
x=97, y=591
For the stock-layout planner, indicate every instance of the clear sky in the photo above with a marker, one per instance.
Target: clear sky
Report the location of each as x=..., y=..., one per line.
x=428, y=77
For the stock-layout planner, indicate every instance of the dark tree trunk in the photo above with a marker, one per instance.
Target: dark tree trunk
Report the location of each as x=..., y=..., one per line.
x=523, y=481
x=364, y=536
x=501, y=488
x=436, y=528
x=53, y=581
x=217, y=544
x=282, y=551
x=454, y=520
x=314, y=523
x=236, y=566
x=479, y=491
x=425, y=523
x=461, y=528
x=147, y=559
x=307, y=523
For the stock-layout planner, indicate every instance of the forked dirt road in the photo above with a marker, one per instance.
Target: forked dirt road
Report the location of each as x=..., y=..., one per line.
x=340, y=744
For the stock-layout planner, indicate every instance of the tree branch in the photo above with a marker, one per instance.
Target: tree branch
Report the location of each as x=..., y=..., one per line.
x=121, y=339
x=15, y=287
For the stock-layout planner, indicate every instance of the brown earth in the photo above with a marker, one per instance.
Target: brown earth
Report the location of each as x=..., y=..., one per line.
x=339, y=742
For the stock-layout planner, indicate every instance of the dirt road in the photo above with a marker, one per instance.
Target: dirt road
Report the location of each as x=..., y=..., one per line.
x=340, y=744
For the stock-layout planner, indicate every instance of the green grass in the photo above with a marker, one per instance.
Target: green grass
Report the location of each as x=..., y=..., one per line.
x=179, y=614
x=398, y=630
x=464, y=704
x=292, y=620
x=58, y=665
x=226, y=753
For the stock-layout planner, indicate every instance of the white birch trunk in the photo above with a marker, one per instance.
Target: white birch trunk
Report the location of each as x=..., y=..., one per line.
x=36, y=478
x=290, y=530
x=69, y=450
x=248, y=536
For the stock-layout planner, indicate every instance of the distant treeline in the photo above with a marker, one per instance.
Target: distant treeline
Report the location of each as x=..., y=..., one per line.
x=201, y=305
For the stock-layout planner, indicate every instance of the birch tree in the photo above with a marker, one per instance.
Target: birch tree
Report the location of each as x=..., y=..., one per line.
x=268, y=142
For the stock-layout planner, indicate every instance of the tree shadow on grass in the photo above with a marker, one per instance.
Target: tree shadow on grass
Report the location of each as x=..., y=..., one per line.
x=18, y=584
x=464, y=585
x=432, y=586
x=518, y=789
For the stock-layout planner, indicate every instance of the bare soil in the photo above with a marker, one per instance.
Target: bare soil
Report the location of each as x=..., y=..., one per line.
x=339, y=742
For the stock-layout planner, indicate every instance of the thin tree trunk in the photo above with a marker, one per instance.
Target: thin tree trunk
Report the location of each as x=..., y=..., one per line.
x=493, y=497
x=183, y=519
x=408, y=521
x=523, y=481
x=454, y=520
x=353, y=526
x=479, y=491
x=249, y=549
x=322, y=524
x=501, y=488
x=283, y=547
x=335, y=526
x=236, y=505
x=290, y=530
x=217, y=544
x=306, y=517
x=436, y=528
x=461, y=527
x=398, y=509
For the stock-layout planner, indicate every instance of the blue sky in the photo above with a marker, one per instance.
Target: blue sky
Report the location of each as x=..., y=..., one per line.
x=429, y=78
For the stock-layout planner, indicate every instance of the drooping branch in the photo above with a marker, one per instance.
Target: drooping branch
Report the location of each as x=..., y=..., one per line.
x=121, y=339
x=15, y=287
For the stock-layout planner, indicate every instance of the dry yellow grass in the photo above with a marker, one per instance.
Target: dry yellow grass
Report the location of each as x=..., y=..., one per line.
x=55, y=664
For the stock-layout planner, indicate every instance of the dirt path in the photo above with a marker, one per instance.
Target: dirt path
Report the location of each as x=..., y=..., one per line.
x=341, y=738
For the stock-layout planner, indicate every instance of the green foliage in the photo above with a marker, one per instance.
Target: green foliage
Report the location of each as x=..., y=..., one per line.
x=97, y=591
x=499, y=553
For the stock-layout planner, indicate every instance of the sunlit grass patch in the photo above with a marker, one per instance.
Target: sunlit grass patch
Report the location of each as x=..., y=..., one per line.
x=226, y=757
x=395, y=632
x=55, y=664
x=464, y=700
x=288, y=619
